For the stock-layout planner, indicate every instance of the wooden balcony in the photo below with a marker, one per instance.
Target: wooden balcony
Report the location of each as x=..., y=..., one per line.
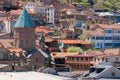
x=78, y=62
x=53, y=49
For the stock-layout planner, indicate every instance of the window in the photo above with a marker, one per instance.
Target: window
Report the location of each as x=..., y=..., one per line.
x=88, y=38
x=88, y=27
x=37, y=23
x=48, y=9
x=117, y=59
x=116, y=38
x=20, y=54
x=86, y=59
x=107, y=60
x=118, y=31
x=48, y=19
x=108, y=38
x=113, y=74
x=83, y=27
x=108, y=31
x=72, y=58
x=99, y=38
x=36, y=59
x=97, y=44
x=100, y=45
x=81, y=59
x=93, y=38
x=13, y=55
x=77, y=59
x=108, y=44
x=116, y=45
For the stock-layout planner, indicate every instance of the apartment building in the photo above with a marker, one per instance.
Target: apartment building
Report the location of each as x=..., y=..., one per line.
x=108, y=69
x=45, y=11
x=84, y=61
x=8, y=19
x=113, y=57
x=7, y=4
x=104, y=36
x=102, y=72
x=24, y=33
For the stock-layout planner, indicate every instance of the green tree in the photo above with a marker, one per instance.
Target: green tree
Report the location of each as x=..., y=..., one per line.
x=56, y=33
x=73, y=49
x=92, y=45
x=24, y=0
x=78, y=1
x=78, y=31
x=91, y=2
x=48, y=63
x=82, y=37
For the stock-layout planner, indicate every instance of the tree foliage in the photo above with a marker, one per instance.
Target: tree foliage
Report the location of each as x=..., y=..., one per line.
x=82, y=37
x=91, y=2
x=48, y=63
x=56, y=33
x=92, y=44
x=25, y=0
x=111, y=5
x=73, y=49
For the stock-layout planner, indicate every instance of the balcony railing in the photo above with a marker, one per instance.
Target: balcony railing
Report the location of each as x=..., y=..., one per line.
x=11, y=59
x=83, y=62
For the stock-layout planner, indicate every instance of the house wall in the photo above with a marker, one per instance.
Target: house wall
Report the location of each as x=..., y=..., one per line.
x=46, y=11
x=37, y=60
x=78, y=63
x=111, y=59
x=24, y=38
x=109, y=73
x=110, y=39
x=9, y=69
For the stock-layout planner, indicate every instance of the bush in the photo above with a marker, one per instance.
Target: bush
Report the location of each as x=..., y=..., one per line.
x=73, y=49
x=82, y=37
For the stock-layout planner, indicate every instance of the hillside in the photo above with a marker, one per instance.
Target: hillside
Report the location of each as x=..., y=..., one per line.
x=110, y=5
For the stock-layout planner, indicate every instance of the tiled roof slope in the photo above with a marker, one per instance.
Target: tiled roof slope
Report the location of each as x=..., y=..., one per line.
x=24, y=20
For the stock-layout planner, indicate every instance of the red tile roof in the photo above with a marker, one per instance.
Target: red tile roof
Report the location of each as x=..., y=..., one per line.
x=87, y=55
x=97, y=32
x=3, y=18
x=112, y=51
x=107, y=26
x=61, y=55
x=98, y=29
x=83, y=42
x=42, y=29
x=6, y=42
x=17, y=12
x=14, y=49
x=70, y=41
x=1, y=45
x=48, y=39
